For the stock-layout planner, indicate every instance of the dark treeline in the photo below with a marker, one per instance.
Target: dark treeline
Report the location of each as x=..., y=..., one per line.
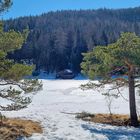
x=57, y=39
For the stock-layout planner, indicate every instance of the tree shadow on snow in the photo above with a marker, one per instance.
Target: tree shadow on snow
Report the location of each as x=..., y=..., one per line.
x=113, y=132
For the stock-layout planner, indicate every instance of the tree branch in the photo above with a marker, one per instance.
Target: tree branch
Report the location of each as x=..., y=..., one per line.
x=138, y=85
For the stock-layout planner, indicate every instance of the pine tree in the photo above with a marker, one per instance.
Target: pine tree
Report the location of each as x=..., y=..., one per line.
x=125, y=53
x=11, y=73
x=4, y=5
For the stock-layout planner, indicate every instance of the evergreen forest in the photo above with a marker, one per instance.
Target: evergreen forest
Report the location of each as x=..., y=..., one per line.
x=57, y=39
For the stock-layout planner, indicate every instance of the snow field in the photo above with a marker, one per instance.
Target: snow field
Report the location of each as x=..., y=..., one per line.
x=52, y=105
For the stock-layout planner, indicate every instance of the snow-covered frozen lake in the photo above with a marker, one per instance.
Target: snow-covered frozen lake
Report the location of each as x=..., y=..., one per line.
x=59, y=96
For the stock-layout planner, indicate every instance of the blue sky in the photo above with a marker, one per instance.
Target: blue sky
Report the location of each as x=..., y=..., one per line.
x=36, y=7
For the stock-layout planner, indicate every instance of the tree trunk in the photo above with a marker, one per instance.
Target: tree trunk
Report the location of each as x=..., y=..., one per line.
x=132, y=101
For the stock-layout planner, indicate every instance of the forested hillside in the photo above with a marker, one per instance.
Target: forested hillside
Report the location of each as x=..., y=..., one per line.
x=57, y=39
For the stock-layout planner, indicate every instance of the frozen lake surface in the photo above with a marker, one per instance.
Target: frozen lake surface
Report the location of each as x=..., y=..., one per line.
x=59, y=97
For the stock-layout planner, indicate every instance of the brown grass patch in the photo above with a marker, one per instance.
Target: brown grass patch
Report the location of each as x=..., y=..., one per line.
x=114, y=119
x=11, y=129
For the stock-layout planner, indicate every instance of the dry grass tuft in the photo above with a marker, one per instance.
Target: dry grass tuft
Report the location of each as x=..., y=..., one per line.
x=11, y=129
x=114, y=119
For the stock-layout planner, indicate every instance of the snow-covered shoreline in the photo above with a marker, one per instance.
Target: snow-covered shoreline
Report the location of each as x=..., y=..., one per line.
x=60, y=96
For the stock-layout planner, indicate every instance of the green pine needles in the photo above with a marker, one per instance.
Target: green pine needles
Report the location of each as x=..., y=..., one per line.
x=12, y=87
x=124, y=53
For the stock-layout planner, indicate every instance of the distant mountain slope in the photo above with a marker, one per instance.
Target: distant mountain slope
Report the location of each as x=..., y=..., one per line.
x=57, y=39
